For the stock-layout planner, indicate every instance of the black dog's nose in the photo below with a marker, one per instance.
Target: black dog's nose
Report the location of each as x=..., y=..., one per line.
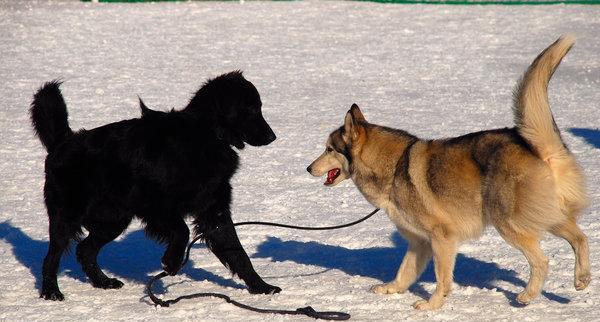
x=309, y=169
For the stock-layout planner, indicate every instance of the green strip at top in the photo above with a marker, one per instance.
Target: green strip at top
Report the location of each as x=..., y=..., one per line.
x=492, y=2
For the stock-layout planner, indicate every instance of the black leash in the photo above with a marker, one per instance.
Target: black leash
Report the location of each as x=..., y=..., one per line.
x=308, y=311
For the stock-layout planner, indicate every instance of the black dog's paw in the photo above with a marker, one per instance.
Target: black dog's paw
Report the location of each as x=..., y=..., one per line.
x=52, y=294
x=109, y=283
x=171, y=265
x=264, y=289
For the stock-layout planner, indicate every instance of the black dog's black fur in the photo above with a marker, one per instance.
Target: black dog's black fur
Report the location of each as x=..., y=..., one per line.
x=161, y=168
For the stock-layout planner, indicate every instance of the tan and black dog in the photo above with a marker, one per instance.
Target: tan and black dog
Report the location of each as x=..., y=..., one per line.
x=523, y=180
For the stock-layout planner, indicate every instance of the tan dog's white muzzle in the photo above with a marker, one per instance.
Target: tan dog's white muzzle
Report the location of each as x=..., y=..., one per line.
x=328, y=163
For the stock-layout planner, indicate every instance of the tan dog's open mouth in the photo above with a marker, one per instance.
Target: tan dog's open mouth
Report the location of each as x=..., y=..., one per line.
x=331, y=176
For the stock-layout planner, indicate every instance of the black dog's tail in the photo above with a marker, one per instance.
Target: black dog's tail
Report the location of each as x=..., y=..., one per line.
x=49, y=115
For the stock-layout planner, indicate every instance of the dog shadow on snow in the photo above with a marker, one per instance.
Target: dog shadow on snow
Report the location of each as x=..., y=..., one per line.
x=382, y=263
x=135, y=258
x=591, y=136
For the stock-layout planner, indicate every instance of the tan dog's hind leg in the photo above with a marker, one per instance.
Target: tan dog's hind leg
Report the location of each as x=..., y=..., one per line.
x=415, y=260
x=529, y=245
x=571, y=233
x=444, y=255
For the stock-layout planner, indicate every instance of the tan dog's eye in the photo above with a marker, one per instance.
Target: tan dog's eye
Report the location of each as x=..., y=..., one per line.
x=329, y=149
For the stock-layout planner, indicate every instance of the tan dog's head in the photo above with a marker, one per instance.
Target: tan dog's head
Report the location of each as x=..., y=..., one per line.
x=336, y=161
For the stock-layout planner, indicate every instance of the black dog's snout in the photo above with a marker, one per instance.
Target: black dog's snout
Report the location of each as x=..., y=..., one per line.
x=309, y=169
x=259, y=136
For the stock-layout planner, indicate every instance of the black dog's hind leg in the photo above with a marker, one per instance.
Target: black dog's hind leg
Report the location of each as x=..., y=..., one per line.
x=220, y=236
x=100, y=234
x=176, y=234
x=60, y=235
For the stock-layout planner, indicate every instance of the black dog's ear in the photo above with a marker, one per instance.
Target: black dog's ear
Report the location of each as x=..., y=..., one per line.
x=143, y=107
x=236, y=141
x=145, y=110
x=228, y=136
x=214, y=103
x=220, y=126
x=219, y=131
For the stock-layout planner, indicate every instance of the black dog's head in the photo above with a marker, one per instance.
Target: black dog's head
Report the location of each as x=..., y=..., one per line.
x=232, y=107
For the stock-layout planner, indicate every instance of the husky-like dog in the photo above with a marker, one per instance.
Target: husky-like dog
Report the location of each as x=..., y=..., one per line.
x=523, y=180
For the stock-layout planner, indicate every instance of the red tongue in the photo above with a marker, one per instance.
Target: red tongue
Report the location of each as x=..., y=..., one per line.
x=331, y=175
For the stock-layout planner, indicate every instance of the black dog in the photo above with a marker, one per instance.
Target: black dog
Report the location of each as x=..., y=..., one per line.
x=161, y=168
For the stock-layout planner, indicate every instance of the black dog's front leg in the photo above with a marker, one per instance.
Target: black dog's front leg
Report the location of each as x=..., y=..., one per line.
x=225, y=244
x=220, y=236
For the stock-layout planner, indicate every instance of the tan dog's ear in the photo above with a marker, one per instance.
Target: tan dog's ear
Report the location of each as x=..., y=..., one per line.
x=357, y=115
x=351, y=122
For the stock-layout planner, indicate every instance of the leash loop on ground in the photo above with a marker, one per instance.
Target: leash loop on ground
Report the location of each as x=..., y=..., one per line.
x=308, y=311
x=329, y=315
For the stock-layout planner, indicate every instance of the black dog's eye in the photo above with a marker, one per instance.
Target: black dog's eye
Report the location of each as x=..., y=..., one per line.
x=329, y=149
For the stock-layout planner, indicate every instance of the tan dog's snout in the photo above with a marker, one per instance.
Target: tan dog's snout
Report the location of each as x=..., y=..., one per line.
x=329, y=163
x=320, y=166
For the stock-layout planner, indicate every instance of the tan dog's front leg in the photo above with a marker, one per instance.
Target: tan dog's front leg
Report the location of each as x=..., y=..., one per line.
x=444, y=255
x=415, y=260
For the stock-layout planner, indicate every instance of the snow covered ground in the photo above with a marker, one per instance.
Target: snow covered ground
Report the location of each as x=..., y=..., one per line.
x=432, y=70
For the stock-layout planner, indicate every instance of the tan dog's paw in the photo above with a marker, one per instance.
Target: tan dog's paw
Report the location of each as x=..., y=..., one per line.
x=582, y=281
x=387, y=288
x=427, y=305
x=524, y=298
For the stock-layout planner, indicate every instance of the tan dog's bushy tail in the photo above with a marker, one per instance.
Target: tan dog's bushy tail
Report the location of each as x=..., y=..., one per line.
x=531, y=108
x=536, y=125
